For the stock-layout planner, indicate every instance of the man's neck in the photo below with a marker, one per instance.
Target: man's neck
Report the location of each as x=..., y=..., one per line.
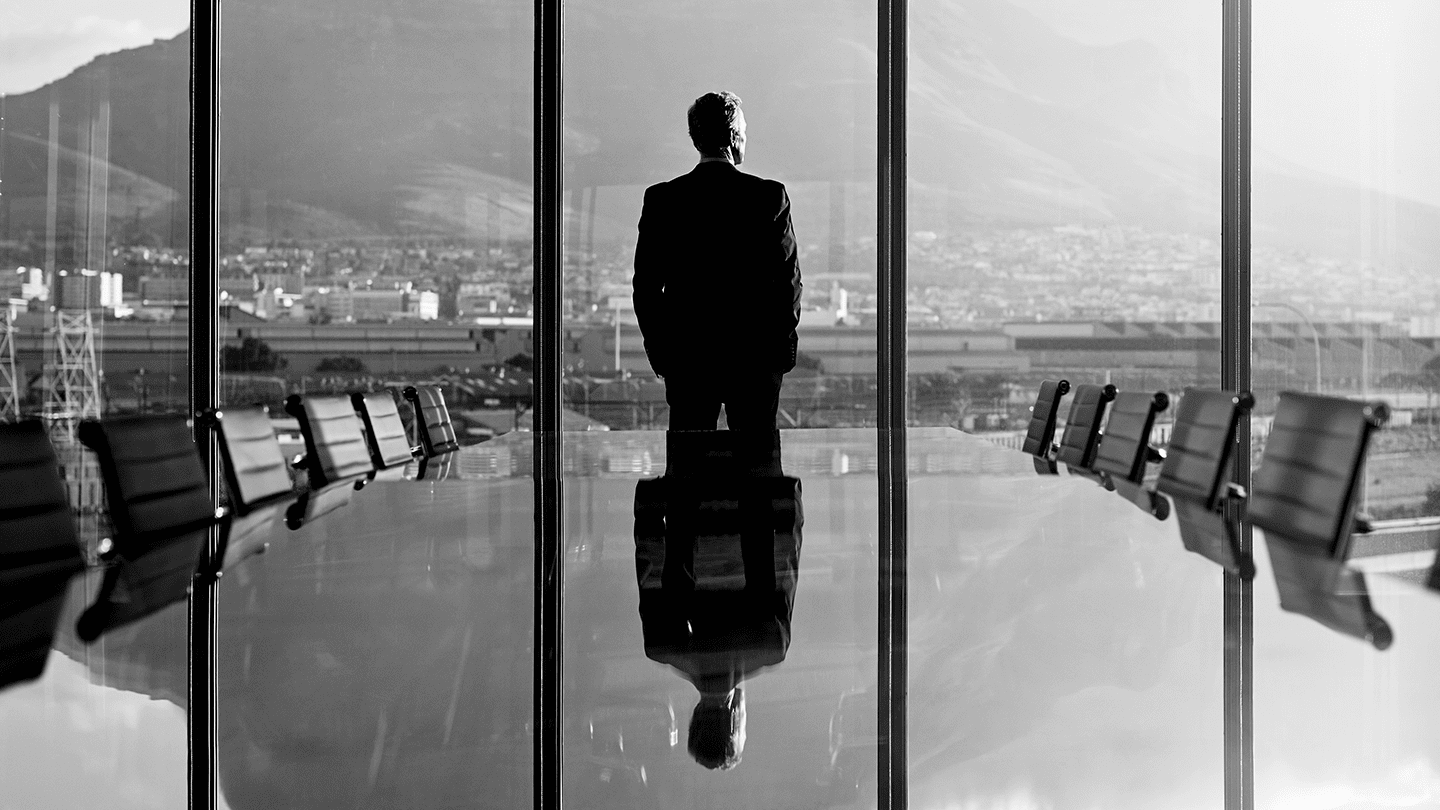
x=717, y=159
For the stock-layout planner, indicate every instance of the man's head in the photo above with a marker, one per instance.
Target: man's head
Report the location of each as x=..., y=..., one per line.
x=717, y=126
x=717, y=730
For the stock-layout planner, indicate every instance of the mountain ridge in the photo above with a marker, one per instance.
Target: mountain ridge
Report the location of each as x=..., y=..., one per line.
x=366, y=117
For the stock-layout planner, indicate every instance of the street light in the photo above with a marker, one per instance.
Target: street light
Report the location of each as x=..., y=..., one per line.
x=1314, y=333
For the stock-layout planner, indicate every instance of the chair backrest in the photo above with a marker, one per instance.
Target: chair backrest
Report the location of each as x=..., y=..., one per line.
x=37, y=531
x=432, y=419
x=1041, y=432
x=335, y=446
x=389, y=446
x=1304, y=489
x=1125, y=446
x=255, y=468
x=155, y=486
x=1082, y=426
x=1197, y=462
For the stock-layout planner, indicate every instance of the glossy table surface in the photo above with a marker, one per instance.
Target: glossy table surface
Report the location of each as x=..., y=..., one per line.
x=1064, y=651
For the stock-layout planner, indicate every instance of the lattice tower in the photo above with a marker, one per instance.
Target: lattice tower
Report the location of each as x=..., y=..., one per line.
x=72, y=375
x=9, y=384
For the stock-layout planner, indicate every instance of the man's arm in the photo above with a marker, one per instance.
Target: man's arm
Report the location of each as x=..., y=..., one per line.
x=787, y=276
x=649, y=280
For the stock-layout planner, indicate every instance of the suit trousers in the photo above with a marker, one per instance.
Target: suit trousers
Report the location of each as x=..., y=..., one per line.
x=751, y=399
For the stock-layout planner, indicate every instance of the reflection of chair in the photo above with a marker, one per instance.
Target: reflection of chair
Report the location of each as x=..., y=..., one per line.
x=432, y=419
x=38, y=550
x=389, y=446
x=335, y=448
x=1040, y=435
x=1082, y=427
x=437, y=468
x=1327, y=591
x=37, y=532
x=311, y=505
x=1303, y=497
x=1196, y=474
x=29, y=614
x=159, y=504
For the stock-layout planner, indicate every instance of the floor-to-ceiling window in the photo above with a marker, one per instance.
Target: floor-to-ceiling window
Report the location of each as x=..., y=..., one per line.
x=374, y=233
x=94, y=269
x=1346, y=285
x=805, y=75
x=1063, y=223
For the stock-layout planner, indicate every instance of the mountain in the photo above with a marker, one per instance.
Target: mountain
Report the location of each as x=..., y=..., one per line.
x=377, y=117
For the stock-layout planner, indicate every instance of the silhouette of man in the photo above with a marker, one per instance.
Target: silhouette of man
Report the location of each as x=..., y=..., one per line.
x=717, y=281
x=715, y=609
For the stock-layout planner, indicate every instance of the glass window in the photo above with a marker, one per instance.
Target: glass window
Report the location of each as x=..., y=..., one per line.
x=759, y=647
x=94, y=288
x=1064, y=225
x=1346, y=210
x=375, y=234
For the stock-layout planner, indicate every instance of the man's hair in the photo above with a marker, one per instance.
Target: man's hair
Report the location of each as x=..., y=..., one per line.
x=712, y=121
x=712, y=736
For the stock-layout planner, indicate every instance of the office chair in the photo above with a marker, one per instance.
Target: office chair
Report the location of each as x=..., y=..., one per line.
x=432, y=420
x=159, y=505
x=39, y=550
x=1081, y=438
x=1303, y=496
x=257, y=480
x=1040, y=434
x=335, y=448
x=385, y=432
x=1124, y=448
x=37, y=529
x=1195, y=475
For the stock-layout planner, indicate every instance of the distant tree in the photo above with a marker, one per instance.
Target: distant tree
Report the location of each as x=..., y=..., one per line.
x=253, y=354
x=809, y=362
x=349, y=365
x=1429, y=376
x=1432, y=501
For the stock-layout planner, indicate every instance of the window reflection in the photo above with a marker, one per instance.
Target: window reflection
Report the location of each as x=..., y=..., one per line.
x=94, y=313
x=1346, y=197
x=1064, y=201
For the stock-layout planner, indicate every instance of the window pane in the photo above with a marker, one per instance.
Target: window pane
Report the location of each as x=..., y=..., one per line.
x=94, y=282
x=1065, y=650
x=1346, y=215
x=654, y=648
x=376, y=171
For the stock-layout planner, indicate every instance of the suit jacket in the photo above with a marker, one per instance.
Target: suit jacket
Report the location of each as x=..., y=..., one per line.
x=717, y=280
x=717, y=559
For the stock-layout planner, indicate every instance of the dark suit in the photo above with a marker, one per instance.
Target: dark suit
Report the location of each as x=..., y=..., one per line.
x=717, y=294
x=717, y=558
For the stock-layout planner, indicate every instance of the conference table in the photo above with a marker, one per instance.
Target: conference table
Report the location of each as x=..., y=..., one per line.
x=1063, y=649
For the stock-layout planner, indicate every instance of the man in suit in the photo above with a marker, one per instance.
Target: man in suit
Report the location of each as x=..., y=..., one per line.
x=717, y=281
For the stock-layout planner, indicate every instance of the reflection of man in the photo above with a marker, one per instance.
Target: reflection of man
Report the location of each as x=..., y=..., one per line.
x=717, y=549
x=717, y=282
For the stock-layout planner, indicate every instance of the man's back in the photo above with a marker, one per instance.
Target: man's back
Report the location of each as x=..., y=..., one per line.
x=716, y=276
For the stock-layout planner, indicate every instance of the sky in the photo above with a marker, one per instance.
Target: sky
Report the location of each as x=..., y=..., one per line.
x=44, y=40
x=1350, y=88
